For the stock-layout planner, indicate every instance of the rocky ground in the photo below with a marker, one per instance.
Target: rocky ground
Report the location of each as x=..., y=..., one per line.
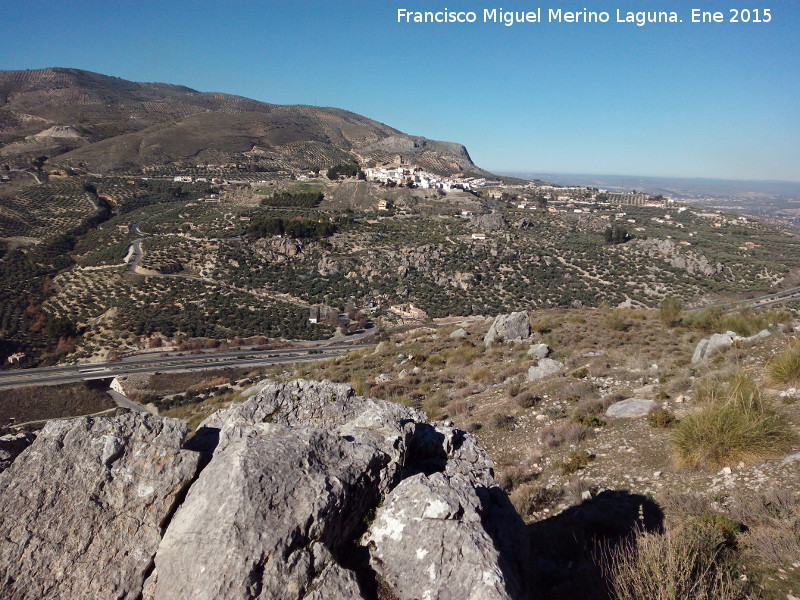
x=575, y=407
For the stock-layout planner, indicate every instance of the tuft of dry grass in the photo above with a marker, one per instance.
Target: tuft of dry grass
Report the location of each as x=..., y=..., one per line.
x=736, y=423
x=784, y=367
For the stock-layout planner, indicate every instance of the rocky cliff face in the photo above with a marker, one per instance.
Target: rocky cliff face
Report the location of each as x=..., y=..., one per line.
x=304, y=491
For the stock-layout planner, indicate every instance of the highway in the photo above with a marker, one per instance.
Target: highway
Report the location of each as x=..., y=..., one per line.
x=769, y=299
x=158, y=364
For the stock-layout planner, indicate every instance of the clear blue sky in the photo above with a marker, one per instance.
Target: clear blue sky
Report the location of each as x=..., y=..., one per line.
x=714, y=100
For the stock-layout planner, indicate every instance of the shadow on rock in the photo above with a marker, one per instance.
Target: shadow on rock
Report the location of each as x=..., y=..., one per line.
x=204, y=442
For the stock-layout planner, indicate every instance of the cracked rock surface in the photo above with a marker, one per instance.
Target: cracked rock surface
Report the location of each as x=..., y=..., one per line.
x=269, y=499
x=84, y=505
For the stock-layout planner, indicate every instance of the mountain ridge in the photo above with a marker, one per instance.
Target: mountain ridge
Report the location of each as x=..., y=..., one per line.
x=123, y=126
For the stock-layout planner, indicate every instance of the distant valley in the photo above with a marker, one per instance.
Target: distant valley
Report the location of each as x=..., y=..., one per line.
x=144, y=216
x=776, y=199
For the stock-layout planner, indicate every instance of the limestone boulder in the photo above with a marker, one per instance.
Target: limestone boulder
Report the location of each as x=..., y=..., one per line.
x=294, y=471
x=429, y=540
x=630, y=408
x=709, y=347
x=539, y=351
x=544, y=368
x=85, y=505
x=513, y=327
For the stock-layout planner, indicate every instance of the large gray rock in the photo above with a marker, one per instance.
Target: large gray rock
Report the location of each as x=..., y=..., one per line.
x=85, y=505
x=513, y=327
x=539, y=351
x=429, y=540
x=295, y=470
x=267, y=500
x=632, y=407
x=719, y=342
x=545, y=367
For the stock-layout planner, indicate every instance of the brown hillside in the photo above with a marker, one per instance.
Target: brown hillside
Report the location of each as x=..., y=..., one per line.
x=119, y=125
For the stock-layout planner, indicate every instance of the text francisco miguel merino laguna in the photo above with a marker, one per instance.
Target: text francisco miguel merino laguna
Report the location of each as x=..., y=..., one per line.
x=558, y=15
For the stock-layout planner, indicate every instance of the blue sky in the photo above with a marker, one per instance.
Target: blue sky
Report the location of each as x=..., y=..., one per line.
x=687, y=100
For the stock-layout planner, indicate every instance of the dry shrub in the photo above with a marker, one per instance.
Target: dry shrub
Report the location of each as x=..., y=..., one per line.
x=784, y=367
x=772, y=519
x=554, y=436
x=579, y=390
x=515, y=476
x=470, y=390
x=433, y=404
x=661, y=419
x=592, y=406
x=527, y=400
x=209, y=382
x=691, y=562
x=459, y=408
x=503, y=422
x=514, y=370
x=530, y=498
x=617, y=320
x=479, y=374
x=465, y=354
x=737, y=423
x=679, y=505
x=679, y=384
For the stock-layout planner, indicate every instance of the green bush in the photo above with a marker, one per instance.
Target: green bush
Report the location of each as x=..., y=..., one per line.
x=581, y=373
x=616, y=320
x=745, y=322
x=727, y=527
x=735, y=424
x=669, y=311
x=588, y=421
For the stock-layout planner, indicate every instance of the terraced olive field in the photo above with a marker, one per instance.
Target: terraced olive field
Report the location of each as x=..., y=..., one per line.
x=117, y=262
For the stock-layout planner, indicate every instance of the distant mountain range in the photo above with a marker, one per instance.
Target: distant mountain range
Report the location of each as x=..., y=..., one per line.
x=106, y=124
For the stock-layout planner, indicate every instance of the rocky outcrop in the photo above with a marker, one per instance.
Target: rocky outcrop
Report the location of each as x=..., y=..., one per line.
x=691, y=262
x=269, y=499
x=85, y=506
x=489, y=222
x=429, y=540
x=708, y=347
x=513, y=327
